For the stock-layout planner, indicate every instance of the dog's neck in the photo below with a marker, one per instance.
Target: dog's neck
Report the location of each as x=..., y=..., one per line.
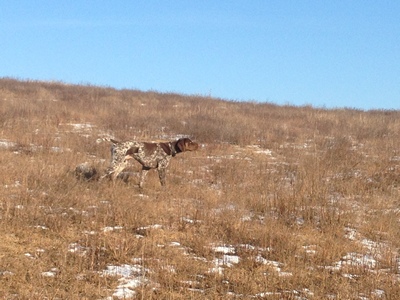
x=172, y=147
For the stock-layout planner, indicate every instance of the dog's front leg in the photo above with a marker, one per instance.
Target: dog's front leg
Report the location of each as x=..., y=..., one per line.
x=118, y=169
x=143, y=174
x=161, y=175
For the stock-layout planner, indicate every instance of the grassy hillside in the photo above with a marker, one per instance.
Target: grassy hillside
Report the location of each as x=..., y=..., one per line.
x=279, y=202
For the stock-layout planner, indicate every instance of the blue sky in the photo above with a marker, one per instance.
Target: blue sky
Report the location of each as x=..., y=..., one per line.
x=306, y=52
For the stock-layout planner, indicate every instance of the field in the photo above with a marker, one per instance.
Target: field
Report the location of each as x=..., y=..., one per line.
x=279, y=202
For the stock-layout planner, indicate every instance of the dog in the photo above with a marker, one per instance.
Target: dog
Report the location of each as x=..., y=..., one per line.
x=149, y=154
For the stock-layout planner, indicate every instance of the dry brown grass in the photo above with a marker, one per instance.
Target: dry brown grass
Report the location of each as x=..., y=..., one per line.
x=305, y=201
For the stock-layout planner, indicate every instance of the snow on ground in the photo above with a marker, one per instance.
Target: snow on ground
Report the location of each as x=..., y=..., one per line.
x=6, y=144
x=79, y=127
x=130, y=277
x=133, y=274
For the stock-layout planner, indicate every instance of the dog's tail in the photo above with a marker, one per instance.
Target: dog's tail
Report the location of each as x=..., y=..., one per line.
x=110, y=140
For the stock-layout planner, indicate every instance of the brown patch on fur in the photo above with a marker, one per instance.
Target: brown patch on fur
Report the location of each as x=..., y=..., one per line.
x=132, y=151
x=166, y=148
x=149, y=148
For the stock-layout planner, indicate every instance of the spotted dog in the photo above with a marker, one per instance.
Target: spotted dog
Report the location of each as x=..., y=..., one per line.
x=149, y=155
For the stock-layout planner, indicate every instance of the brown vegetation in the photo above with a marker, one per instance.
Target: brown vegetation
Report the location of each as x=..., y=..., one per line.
x=280, y=202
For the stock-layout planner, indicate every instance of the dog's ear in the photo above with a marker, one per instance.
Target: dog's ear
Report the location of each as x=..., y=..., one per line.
x=180, y=145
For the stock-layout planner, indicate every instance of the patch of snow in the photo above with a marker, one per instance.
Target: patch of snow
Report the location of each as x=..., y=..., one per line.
x=142, y=196
x=277, y=266
x=56, y=150
x=259, y=150
x=175, y=244
x=52, y=273
x=285, y=274
x=355, y=260
x=48, y=274
x=6, y=273
x=226, y=260
x=91, y=232
x=29, y=255
x=77, y=249
x=80, y=126
x=112, y=228
x=373, y=246
x=218, y=270
x=123, y=270
x=247, y=218
x=261, y=260
x=155, y=226
x=358, y=259
x=16, y=184
x=41, y=227
x=189, y=221
x=224, y=249
x=6, y=144
x=131, y=277
x=267, y=294
x=378, y=293
x=351, y=233
x=310, y=249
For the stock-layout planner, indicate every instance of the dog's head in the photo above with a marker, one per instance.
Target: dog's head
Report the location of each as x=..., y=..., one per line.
x=185, y=144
